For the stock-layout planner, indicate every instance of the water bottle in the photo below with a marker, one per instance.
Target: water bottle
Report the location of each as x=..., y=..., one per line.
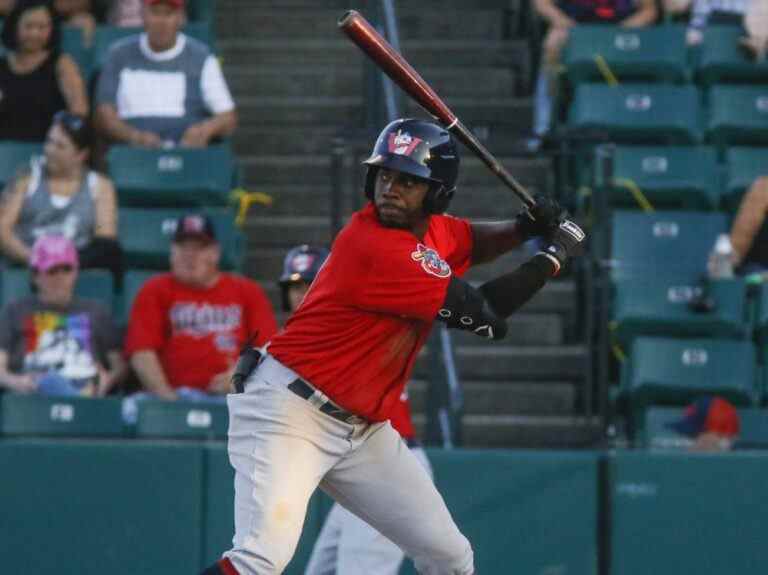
x=720, y=264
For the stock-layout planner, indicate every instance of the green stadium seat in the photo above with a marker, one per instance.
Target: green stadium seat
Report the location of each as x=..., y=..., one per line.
x=145, y=236
x=60, y=416
x=676, y=371
x=182, y=420
x=761, y=314
x=744, y=166
x=132, y=282
x=738, y=115
x=641, y=113
x=632, y=54
x=722, y=60
x=105, y=36
x=177, y=177
x=643, y=244
x=659, y=306
x=91, y=284
x=656, y=434
x=73, y=43
x=668, y=177
x=14, y=156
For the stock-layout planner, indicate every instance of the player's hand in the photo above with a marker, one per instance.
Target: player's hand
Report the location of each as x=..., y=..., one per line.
x=542, y=219
x=565, y=242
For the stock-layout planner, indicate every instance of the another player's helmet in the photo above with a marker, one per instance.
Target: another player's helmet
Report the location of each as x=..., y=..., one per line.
x=421, y=149
x=301, y=265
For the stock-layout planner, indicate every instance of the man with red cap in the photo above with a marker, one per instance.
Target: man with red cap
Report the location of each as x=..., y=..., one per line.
x=711, y=422
x=163, y=88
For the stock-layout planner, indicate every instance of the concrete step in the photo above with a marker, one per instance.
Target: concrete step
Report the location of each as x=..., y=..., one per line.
x=284, y=232
x=247, y=51
x=514, y=115
x=497, y=398
x=532, y=431
x=278, y=170
x=254, y=139
x=524, y=329
x=515, y=363
x=300, y=113
x=321, y=21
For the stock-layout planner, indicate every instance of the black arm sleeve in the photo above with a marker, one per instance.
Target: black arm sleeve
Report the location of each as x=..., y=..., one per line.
x=465, y=308
x=505, y=294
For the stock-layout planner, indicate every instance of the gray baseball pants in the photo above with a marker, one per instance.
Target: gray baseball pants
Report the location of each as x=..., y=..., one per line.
x=282, y=448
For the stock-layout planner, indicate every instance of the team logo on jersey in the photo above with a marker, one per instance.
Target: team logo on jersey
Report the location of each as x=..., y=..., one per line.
x=431, y=261
x=402, y=143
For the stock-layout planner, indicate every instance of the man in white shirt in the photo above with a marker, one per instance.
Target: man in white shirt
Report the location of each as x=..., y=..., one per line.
x=163, y=88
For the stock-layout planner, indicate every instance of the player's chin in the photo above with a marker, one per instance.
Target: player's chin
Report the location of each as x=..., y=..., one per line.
x=392, y=217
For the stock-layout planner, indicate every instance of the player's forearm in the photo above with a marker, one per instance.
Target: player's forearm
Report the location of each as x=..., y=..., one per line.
x=150, y=372
x=492, y=239
x=509, y=292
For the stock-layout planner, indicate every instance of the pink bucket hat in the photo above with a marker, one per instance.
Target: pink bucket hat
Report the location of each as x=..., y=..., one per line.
x=51, y=251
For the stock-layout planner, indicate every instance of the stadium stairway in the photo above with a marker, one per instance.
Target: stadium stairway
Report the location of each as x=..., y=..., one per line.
x=298, y=82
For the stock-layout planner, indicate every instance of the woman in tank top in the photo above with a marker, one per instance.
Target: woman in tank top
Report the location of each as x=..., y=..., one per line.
x=59, y=195
x=36, y=81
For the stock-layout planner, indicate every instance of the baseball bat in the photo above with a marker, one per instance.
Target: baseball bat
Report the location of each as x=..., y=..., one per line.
x=365, y=36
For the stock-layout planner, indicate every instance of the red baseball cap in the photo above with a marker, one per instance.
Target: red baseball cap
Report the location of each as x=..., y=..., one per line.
x=174, y=3
x=708, y=414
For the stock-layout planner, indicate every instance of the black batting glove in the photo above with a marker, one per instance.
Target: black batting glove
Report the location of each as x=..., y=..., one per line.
x=540, y=220
x=564, y=242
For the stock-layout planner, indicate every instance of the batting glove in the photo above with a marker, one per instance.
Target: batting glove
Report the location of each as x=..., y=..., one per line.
x=564, y=242
x=542, y=219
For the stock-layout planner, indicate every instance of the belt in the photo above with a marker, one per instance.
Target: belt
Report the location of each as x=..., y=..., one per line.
x=319, y=400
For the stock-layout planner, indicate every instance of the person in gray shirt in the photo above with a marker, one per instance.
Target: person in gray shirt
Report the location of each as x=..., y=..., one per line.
x=53, y=342
x=163, y=88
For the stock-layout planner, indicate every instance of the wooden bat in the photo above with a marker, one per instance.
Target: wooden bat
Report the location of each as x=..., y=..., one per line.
x=360, y=31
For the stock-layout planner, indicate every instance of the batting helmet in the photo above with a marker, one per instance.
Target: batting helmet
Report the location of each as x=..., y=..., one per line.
x=421, y=149
x=301, y=265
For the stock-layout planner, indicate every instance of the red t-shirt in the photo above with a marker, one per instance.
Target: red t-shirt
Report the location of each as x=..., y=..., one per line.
x=198, y=333
x=370, y=309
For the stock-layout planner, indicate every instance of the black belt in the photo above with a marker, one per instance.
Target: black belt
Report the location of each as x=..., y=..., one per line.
x=306, y=391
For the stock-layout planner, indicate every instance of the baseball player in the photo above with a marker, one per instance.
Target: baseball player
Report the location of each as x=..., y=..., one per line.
x=315, y=411
x=347, y=545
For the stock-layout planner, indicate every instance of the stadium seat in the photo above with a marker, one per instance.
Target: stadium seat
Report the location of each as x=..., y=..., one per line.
x=668, y=177
x=14, y=156
x=659, y=305
x=644, y=244
x=73, y=43
x=145, y=236
x=761, y=314
x=60, y=416
x=744, y=166
x=182, y=420
x=723, y=60
x=737, y=115
x=656, y=434
x=650, y=54
x=177, y=177
x=676, y=371
x=105, y=36
x=91, y=284
x=132, y=283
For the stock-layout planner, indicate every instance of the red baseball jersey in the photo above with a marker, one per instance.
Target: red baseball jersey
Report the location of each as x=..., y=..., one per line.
x=360, y=327
x=198, y=333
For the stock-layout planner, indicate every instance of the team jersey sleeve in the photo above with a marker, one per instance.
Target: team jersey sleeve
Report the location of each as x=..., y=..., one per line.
x=147, y=323
x=260, y=317
x=394, y=274
x=458, y=235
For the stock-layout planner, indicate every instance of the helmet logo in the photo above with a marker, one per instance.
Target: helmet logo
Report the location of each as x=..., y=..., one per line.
x=402, y=143
x=431, y=261
x=302, y=262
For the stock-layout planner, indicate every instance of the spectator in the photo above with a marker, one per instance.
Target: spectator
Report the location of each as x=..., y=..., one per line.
x=5, y=7
x=187, y=327
x=36, y=81
x=562, y=15
x=162, y=88
x=126, y=13
x=676, y=8
x=59, y=195
x=749, y=232
x=53, y=342
x=707, y=12
x=299, y=269
x=756, y=27
x=711, y=423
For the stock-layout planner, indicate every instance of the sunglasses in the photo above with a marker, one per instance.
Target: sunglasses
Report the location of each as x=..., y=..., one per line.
x=74, y=125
